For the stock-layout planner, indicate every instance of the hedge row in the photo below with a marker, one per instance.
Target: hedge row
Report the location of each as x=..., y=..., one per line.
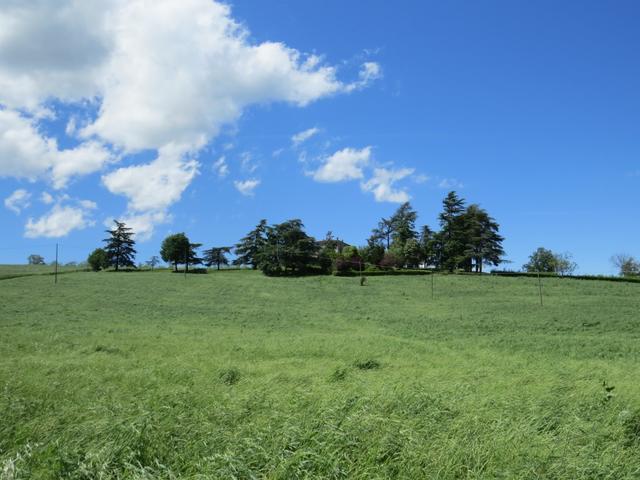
x=603, y=278
x=379, y=273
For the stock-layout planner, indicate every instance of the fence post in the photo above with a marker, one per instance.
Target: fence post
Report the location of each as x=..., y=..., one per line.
x=540, y=288
x=55, y=271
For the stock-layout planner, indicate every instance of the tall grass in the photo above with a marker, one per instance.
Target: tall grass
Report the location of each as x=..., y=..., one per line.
x=235, y=375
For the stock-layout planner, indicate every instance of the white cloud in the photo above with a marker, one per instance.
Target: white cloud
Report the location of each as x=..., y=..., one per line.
x=52, y=50
x=146, y=105
x=246, y=187
x=369, y=72
x=345, y=164
x=164, y=75
x=220, y=167
x=58, y=222
x=142, y=225
x=381, y=185
x=156, y=185
x=18, y=201
x=303, y=136
x=450, y=183
x=25, y=153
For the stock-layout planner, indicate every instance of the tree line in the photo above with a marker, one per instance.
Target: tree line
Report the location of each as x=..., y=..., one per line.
x=468, y=239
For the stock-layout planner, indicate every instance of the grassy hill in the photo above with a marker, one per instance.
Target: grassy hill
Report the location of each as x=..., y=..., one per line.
x=236, y=375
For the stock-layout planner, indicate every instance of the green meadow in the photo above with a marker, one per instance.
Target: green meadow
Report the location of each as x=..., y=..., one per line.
x=236, y=375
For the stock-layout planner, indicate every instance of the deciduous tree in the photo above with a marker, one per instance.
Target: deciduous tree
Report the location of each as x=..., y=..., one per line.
x=98, y=260
x=174, y=249
x=34, y=259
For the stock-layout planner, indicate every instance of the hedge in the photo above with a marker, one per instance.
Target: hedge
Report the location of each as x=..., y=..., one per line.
x=603, y=278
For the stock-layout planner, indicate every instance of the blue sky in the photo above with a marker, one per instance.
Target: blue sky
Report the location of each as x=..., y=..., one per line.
x=183, y=119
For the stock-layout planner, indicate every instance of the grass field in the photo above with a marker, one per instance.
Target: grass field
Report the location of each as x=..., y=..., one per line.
x=236, y=375
x=14, y=271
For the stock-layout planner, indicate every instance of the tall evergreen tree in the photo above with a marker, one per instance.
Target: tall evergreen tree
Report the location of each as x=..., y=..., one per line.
x=403, y=224
x=249, y=246
x=288, y=250
x=483, y=243
x=427, y=245
x=452, y=231
x=383, y=232
x=192, y=256
x=120, y=246
x=216, y=256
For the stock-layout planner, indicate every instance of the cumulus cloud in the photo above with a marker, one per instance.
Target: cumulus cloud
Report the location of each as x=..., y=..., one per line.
x=303, y=136
x=382, y=185
x=246, y=187
x=151, y=188
x=143, y=224
x=18, y=201
x=25, y=153
x=58, y=222
x=162, y=75
x=345, y=164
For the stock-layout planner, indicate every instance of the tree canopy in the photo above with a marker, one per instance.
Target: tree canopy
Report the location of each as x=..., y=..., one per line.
x=120, y=246
x=35, y=259
x=288, y=250
x=249, y=246
x=174, y=249
x=98, y=260
x=216, y=256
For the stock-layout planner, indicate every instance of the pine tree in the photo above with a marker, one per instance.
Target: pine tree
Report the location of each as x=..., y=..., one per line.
x=383, y=232
x=216, y=256
x=119, y=248
x=403, y=224
x=249, y=246
x=427, y=245
x=483, y=243
x=452, y=233
x=288, y=250
x=192, y=256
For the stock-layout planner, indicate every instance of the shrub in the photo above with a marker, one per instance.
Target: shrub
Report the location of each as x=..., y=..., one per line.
x=98, y=260
x=390, y=260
